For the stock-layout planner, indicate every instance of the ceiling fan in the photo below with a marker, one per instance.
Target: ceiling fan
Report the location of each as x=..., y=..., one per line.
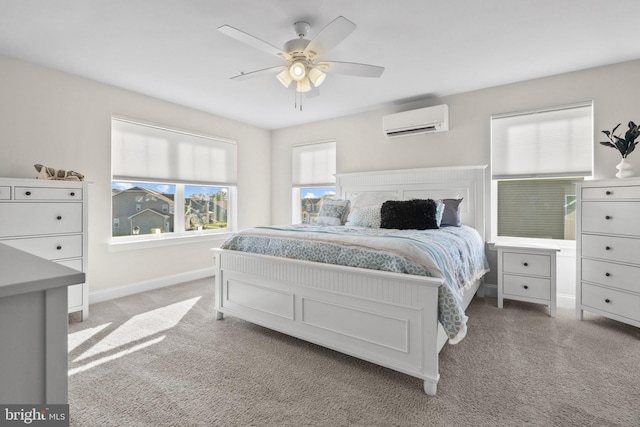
x=302, y=55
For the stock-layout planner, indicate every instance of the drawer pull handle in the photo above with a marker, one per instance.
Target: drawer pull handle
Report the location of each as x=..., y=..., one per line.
x=607, y=248
x=608, y=301
x=526, y=264
x=28, y=193
x=72, y=194
x=607, y=217
x=58, y=217
x=58, y=247
x=608, y=193
x=526, y=287
x=607, y=274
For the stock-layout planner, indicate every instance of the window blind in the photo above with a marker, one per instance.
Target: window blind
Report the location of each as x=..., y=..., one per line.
x=314, y=164
x=141, y=152
x=549, y=143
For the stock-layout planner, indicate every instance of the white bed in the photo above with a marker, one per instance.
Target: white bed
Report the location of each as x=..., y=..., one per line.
x=386, y=318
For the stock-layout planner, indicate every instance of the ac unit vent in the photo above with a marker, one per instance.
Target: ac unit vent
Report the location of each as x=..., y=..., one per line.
x=414, y=122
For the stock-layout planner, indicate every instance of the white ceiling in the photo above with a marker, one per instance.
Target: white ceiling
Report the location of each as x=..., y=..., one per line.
x=171, y=49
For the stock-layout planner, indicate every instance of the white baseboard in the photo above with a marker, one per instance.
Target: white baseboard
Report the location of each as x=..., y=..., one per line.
x=148, y=285
x=490, y=290
x=566, y=301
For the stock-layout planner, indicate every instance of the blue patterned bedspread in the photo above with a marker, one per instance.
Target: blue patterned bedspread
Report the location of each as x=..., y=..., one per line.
x=453, y=253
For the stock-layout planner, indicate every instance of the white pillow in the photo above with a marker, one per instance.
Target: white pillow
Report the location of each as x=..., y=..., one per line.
x=366, y=216
x=372, y=198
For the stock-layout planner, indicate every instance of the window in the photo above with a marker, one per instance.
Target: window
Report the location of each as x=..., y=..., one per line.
x=310, y=201
x=536, y=158
x=169, y=181
x=313, y=178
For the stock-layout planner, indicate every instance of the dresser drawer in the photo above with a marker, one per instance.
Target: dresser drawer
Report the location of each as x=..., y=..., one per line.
x=530, y=287
x=619, y=276
x=28, y=219
x=52, y=248
x=611, y=217
x=524, y=263
x=5, y=193
x=620, y=249
x=611, y=301
x=611, y=193
x=47, y=193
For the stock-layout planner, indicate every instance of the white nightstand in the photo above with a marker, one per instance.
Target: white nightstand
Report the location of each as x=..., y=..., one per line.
x=527, y=273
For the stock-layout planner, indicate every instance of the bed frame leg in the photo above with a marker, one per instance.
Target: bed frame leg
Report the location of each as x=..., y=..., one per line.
x=430, y=387
x=219, y=315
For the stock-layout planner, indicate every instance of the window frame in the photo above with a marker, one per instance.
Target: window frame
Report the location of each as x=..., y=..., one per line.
x=179, y=235
x=561, y=243
x=323, y=175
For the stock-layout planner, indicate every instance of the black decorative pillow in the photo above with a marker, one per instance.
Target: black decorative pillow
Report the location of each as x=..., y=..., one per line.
x=451, y=215
x=417, y=214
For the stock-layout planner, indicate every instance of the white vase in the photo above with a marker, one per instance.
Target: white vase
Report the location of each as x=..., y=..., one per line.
x=625, y=169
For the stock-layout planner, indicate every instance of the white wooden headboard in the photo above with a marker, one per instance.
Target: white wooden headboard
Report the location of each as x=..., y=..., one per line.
x=466, y=182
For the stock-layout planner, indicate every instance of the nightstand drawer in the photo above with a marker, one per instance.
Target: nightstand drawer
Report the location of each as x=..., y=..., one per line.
x=611, y=301
x=530, y=287
x=524, y=263
x=5, y=193
x=611, y=217
x=620, y=249
x=612, y=193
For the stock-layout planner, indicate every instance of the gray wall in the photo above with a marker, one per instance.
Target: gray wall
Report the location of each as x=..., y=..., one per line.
x=361, y=145
x=64, y=121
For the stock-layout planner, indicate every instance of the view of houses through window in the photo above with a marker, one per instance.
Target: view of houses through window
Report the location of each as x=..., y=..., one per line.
x=148, y=208
x=311, y=199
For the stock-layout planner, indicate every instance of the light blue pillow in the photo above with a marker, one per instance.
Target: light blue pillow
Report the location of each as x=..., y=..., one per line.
x=333, y=212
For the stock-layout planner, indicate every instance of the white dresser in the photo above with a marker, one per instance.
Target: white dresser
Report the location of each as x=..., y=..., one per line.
x=608, y=249
x=48, y=219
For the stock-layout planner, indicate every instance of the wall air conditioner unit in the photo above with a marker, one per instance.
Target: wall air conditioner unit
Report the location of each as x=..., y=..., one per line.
x=414, y=122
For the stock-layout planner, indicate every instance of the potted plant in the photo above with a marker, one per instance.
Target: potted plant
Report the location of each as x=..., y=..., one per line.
x=625, y=145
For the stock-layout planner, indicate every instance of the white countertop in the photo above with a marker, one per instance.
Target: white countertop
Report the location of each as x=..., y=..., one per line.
x=21, y=273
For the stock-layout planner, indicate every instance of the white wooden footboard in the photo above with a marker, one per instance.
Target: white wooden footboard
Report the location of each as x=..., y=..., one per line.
x=386, y=318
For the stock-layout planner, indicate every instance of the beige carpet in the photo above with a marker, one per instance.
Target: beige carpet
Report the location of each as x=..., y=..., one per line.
x=161, y=359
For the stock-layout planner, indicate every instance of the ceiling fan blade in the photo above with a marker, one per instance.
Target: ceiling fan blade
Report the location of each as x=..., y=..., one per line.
x=351, y=68
x=259, y=73
x=330, y=36
x=253, y=41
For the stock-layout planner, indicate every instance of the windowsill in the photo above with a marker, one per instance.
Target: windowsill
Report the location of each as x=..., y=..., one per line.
x=117, y=245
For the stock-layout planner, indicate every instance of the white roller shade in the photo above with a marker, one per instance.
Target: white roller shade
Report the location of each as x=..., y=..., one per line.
x=314, y=164
x=549, y=143
x=145, y=152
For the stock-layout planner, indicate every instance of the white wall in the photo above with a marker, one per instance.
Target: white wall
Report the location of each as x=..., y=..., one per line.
x=361, y=145
x=64, y=121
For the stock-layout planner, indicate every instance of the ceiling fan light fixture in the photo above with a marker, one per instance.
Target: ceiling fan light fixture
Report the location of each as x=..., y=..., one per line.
x=284, y=77
x=303, y=85
x=298, y=70
x=316, y=76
